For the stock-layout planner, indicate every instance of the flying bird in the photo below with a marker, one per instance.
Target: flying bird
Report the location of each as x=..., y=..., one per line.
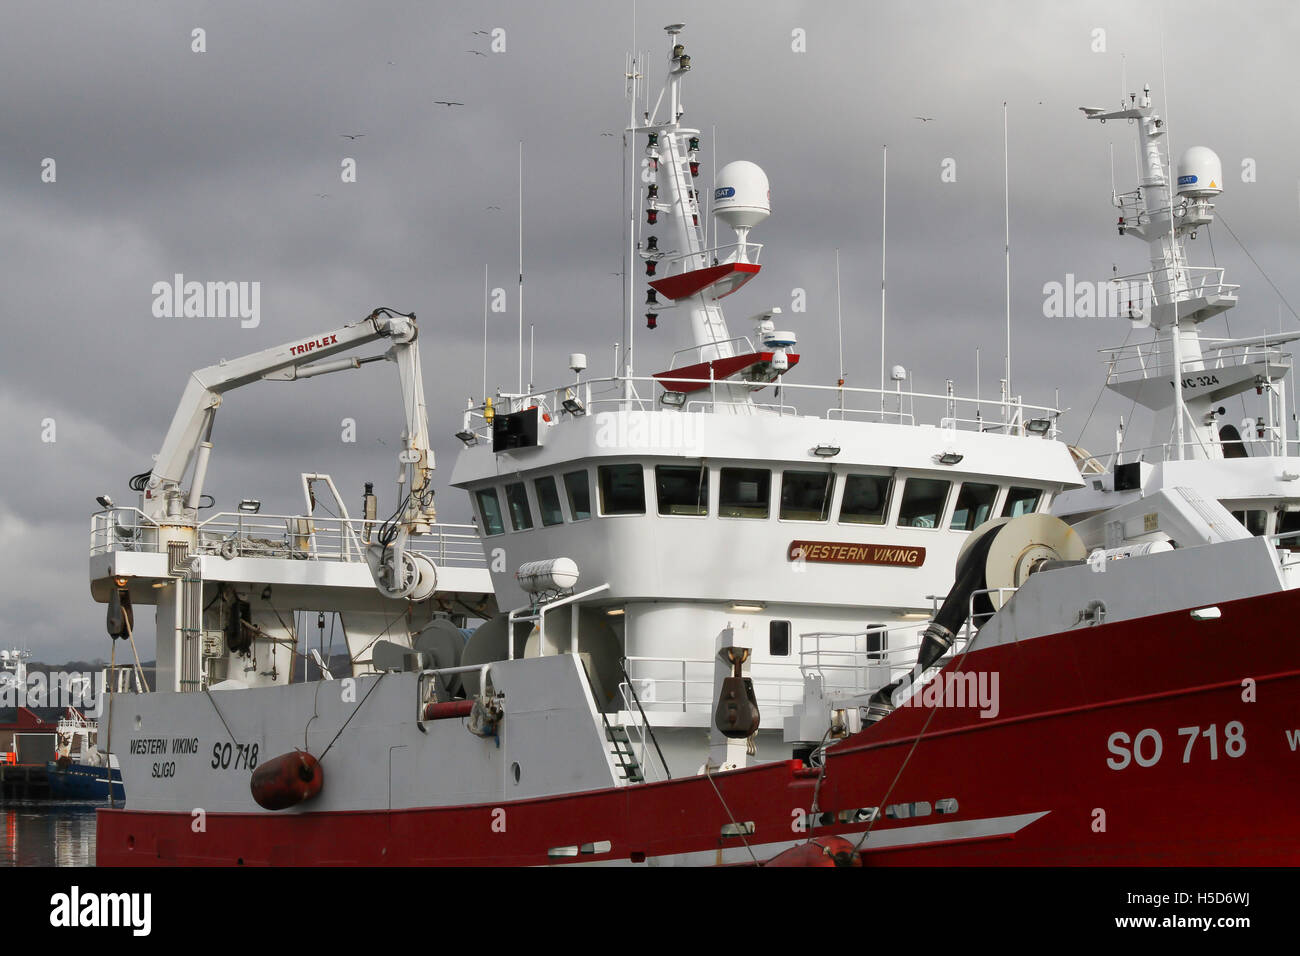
x=352, y=135
x=480, y=33
x=448, y=103
x=493, y=207
x=322, y=195
x=608, y=134
x=923, y=119
x=476, y=52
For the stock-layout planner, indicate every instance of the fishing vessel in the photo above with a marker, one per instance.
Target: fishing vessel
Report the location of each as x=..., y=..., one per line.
x=706, y=615
x=80, y=770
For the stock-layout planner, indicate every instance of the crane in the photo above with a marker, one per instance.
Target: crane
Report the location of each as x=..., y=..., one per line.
x=396, y=571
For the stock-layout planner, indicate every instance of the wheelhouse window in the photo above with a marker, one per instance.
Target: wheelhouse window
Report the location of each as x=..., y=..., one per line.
x=1254, y=521
x=778, y=638
x=923, y=502
x=974, y=506
x=579, y=492
x=489, y=509
x=622, y=490
x=1021, y=501
x=521, y=516
x=682, y=489
x=866, y=499
x=744, y=492
x=548, y=501
x=1288, y=522
x=877, y=643
x=806, y=495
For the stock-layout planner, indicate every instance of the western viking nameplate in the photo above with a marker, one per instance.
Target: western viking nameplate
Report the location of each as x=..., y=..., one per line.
x=840, y=552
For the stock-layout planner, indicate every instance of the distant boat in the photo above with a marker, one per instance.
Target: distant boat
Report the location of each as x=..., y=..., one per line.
x=82, y=773
x=78, y=781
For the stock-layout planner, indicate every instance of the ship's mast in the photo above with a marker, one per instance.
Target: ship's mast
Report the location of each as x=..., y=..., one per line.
x=687, y=273
x=1165, y=216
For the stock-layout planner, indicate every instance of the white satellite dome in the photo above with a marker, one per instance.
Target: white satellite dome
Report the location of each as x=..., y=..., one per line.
x=1200, y=173
x=741, y=195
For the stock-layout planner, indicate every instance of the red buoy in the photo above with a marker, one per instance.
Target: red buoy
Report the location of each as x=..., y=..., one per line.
x=823, y=851
x=287, y=780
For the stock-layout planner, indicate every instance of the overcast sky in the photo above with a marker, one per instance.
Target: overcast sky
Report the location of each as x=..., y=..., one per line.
x=212, y=164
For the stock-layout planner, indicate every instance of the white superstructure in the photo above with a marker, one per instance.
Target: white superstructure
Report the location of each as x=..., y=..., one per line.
x=1214, y=467
x=721, y=502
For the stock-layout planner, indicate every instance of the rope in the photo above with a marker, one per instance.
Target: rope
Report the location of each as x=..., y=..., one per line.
x=906, y=760
x=108, y=738
x=740, y=831
x=814, y=810
x=1258, y=266
x=355, y=710
x=1100, y=392
x=233, y=739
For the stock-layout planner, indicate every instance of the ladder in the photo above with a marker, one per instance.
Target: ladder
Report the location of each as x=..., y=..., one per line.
x=621, y=751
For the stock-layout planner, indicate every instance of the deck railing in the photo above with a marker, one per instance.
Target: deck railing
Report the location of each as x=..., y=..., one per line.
x=235, y=534
x=948, y=410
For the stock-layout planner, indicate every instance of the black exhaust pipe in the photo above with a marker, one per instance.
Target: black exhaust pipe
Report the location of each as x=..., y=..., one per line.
x=941, y=632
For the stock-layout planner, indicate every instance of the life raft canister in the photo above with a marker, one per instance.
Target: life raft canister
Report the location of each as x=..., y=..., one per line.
x=287, y=780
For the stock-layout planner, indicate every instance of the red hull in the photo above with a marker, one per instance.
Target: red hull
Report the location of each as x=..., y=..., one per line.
x=1036, y=784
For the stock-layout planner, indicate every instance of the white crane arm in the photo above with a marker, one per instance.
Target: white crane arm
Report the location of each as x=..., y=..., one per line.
x=191, y=425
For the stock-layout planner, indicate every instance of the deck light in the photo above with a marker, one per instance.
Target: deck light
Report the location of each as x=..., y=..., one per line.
x=673, y=399
x=826, y=451
x=950, y=458
x=575, y=407
x=747, y=606
x=105, y=502
x=1038, y=426
x=468, y=437
x=616, y=612
x=250, y=506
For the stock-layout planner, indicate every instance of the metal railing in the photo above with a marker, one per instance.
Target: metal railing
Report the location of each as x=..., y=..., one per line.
x=620, y=393
x=725, y=254
x=650, y=757
x=685, y=684
x=847, y=662
x=1152, y=359
x=235, y=534
x=1163, y=286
